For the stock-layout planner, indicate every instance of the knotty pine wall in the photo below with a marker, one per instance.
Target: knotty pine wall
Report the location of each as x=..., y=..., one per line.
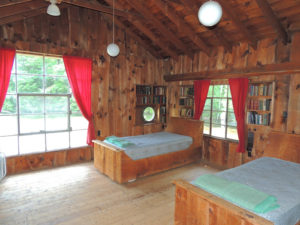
x=287, y=98
x=85, y=33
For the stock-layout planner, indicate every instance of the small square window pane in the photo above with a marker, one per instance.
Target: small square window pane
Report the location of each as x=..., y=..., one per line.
x=230, y=106
x=31, y=123
x=205, y=116
x=56, y=122
x=210, y=91
x=12, y=85
x=78, y=122
x=207, y=105
x=29, y=64
x=220, y=90
x=32, y=144
x=219, y=118
x=231, y=119
x=206, y=129
x=9, y=105
x=55, y=104
x=232, y=133
x=9, y=145
x=218, y=130
x=219, y=104
x=73, y=105
x=30, y=84
x=8, y=125
x=55, y=66
x=78, y=138
x=57, y=85
x=56, y=141
x=31, y=104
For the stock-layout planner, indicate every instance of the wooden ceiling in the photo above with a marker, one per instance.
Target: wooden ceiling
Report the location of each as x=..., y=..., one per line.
x=168, y=28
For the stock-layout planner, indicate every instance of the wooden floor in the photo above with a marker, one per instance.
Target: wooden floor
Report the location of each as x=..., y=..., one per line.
x=79, y=194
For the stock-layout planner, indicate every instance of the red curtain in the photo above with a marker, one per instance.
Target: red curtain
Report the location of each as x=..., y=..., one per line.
x=6, y=62
x=200, y=93
x=239, y=89
x=79, y=71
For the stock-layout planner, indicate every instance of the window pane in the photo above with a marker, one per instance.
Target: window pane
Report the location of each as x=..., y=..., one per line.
x=29, y=64
x=205, y=116
x=206, y=128
x=56, y=104
x=32, y=143
x=232, y=133
x=73, y=105
x=12, y=85
x=229, y=92
x=54, y=66
x=10, y=105
x=13, y=70
x=57, y=85
x=31, y=123
x=57, y=122
x=9, y=145
x=8, y=125
x=220, y=90
x=210, y=91
x=219, y=104
x=230, y=106
x=207, y=105
x=56, y=141
x=31, y=104
x=218, y=130
x=219, y=118
x=78, y=122
x=78, y=138
x=231, y=119
x=30, y=84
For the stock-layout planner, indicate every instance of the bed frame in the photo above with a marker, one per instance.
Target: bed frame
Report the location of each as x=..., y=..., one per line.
x=114, y=163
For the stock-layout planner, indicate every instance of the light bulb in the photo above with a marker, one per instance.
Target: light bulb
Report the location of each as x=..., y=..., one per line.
x=210, y=13
x=113, y=50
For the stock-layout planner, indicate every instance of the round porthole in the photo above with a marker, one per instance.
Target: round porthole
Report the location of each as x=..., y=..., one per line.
x=148, y=114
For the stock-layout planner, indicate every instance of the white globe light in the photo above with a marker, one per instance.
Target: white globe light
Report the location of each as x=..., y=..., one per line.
x=210, y=13
x=113, y=50
x=52, y=9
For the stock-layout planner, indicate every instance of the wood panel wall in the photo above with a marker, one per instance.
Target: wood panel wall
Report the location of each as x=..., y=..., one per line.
x=287, y=96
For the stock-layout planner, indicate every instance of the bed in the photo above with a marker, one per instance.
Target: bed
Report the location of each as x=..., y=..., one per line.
x=118, y=166
x=276, y=177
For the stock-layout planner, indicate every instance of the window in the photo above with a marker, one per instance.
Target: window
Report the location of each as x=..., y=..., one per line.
x=148, y=114
x=218, y=115
x=39, y=113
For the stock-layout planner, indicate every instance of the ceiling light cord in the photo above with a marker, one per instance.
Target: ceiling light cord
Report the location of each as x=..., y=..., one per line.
x=113, y=21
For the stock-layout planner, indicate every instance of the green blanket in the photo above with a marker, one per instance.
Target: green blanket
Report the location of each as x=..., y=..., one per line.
x=119, y=142
x=240, y=194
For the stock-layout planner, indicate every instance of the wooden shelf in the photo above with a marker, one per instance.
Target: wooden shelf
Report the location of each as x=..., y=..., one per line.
x=259, y=111
x=260, y=97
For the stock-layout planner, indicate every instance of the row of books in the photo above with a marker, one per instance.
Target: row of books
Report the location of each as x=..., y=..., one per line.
x=159, y=90
x=159, y=100
x=185, y=91
x=143, y=100
x=186, y=112
x=259, y=119
x=264, y=104
x=163, y=119
x=261, y=90
x=163, y=110
x=143, y=90
x=186, y=101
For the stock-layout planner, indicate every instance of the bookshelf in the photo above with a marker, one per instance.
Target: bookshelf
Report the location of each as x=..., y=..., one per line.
x=151, y=96
x=260, y=103
x=186, y=101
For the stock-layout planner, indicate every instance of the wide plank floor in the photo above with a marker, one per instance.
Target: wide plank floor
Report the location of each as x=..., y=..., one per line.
x=79, y=194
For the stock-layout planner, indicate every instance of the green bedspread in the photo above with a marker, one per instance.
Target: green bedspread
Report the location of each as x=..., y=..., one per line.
x=119, y=142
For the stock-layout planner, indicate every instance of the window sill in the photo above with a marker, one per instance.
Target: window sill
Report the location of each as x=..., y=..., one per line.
x=221, y=139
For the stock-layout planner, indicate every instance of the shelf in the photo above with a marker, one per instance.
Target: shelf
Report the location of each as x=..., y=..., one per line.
x=261, y=125
x=260, y=96
x=185, y=106
x=188, y=96
x=259, y=111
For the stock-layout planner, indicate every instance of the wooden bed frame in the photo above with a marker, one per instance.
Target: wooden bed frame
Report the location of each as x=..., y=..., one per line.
x=114, y=163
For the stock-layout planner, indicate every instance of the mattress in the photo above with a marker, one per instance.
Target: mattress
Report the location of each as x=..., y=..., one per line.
x=155, y=144
x=275, y=177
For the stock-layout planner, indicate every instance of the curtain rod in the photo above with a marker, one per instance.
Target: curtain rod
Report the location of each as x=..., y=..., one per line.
x=38, y=53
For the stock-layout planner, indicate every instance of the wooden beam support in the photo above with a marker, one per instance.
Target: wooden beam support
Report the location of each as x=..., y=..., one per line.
x=273, y=20
x=270, y=69
x=5, y=3
x=162, y=28
x=182, y=25
x=228, y=9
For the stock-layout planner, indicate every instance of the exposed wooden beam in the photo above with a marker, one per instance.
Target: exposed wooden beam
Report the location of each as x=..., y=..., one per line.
x=5, y=3
x=182, y=25
x=162, y=28
x=21, y=8
x=273, y=20
x=270, y=69
x=96, y=6
x=228, y=9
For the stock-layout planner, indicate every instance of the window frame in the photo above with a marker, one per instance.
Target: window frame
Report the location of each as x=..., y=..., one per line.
x=17, y=114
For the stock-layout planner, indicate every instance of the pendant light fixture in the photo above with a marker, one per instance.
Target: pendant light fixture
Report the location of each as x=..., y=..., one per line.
x=53, y=9
x=113, y=49
x=210, y=13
